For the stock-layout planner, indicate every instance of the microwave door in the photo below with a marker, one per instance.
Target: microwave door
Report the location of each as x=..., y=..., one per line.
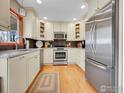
x=59, y=36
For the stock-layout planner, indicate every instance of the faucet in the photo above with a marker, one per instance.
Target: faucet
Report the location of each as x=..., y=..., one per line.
x=16, y=39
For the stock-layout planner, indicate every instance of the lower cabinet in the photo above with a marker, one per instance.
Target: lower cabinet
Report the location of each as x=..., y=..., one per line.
x=48, y=56
x=21, y=71
x=17, y=75
x=77, y=56
x=33, y=67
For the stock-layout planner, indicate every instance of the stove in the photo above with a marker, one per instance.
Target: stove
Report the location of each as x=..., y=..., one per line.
x=60, y=56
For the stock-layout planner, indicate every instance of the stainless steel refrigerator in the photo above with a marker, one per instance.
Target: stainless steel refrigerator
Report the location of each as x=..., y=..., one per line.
x=100, y=38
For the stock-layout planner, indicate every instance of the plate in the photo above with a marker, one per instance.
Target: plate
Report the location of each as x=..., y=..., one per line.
x=39, y=44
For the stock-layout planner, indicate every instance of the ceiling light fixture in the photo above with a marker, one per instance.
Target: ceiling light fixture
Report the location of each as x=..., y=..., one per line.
x=83, y=6
x=45, y=18
x=39, y=1
x=74, y=19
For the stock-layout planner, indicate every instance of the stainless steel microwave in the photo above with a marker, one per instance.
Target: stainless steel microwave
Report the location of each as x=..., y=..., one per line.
x=60, y=35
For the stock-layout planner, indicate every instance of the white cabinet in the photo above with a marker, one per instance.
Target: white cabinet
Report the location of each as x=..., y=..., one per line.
x=72, y=56
x=57, y=27
x=81, y=57
x=18, y=72
x=5, y=14
x=60, y=27
x=17, y=75
x=71, y=32
x=76, y=56
x=82, y=30
x=48, y=56
x=30, y=24
x=64, y=27
x=33, y=66
x=48, y=31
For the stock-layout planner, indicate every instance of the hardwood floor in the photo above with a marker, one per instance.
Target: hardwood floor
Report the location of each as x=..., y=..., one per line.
x=72, y=79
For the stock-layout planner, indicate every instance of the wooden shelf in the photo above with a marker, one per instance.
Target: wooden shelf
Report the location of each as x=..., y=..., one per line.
x=42, y=27
x=77, y=31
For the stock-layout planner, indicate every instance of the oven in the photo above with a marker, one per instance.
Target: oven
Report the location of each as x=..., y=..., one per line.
x=60, y=56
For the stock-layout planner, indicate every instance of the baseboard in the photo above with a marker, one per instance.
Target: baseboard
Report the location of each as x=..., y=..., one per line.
x=82, y=70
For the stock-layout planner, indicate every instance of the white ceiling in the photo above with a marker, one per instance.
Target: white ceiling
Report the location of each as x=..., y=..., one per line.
x=58, y=10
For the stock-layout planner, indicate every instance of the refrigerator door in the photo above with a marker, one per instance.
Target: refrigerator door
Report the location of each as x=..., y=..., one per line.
x=99, y=76
x=89, y=39
x=103, y=37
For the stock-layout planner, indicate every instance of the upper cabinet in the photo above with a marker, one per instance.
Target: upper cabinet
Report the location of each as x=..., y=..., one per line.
x=49, y=31
x=5, y=14
x=82, y=30
x=64, y=27
x=56, y=27
x=60, y=27
x=71, y=32
x=30, y=24
x=76, y=31
x=42, y=29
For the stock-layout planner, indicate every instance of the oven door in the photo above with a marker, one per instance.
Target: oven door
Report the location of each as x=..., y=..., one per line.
x=60, y=55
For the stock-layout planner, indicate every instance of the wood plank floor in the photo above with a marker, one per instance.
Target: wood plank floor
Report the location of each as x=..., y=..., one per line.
x=72, y=79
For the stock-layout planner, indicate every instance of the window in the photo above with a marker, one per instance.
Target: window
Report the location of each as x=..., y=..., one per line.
x=10, y=36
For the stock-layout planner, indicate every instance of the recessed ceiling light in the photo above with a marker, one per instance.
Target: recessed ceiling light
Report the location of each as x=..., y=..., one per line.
x=39, y=1
x=45, y=18
x=83, y=6
x=74, y=19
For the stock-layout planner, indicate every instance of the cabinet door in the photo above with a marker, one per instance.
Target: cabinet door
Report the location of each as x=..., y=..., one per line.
x=28, y=28
x=81, y=58
x=33, y=66
x=31, y=71
x=71, y=32
x=48, y=56
x=57, y=27
x=48, y=31
x=82, y=30
x=5, y=14
x=17, y=75
x=72, y=59
x=30, y=24
x=63, y=27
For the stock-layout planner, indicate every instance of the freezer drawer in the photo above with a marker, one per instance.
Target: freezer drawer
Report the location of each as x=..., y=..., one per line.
x=99, y=76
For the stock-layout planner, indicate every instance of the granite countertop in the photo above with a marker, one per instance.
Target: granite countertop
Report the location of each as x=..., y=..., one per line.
x=15, y=53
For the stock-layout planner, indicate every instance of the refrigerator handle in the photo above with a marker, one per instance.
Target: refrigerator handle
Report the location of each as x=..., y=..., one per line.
x=98, y=65
x=91, y=30
x=93, y=37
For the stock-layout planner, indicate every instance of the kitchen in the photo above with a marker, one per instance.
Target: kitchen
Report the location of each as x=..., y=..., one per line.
x=43, y=40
